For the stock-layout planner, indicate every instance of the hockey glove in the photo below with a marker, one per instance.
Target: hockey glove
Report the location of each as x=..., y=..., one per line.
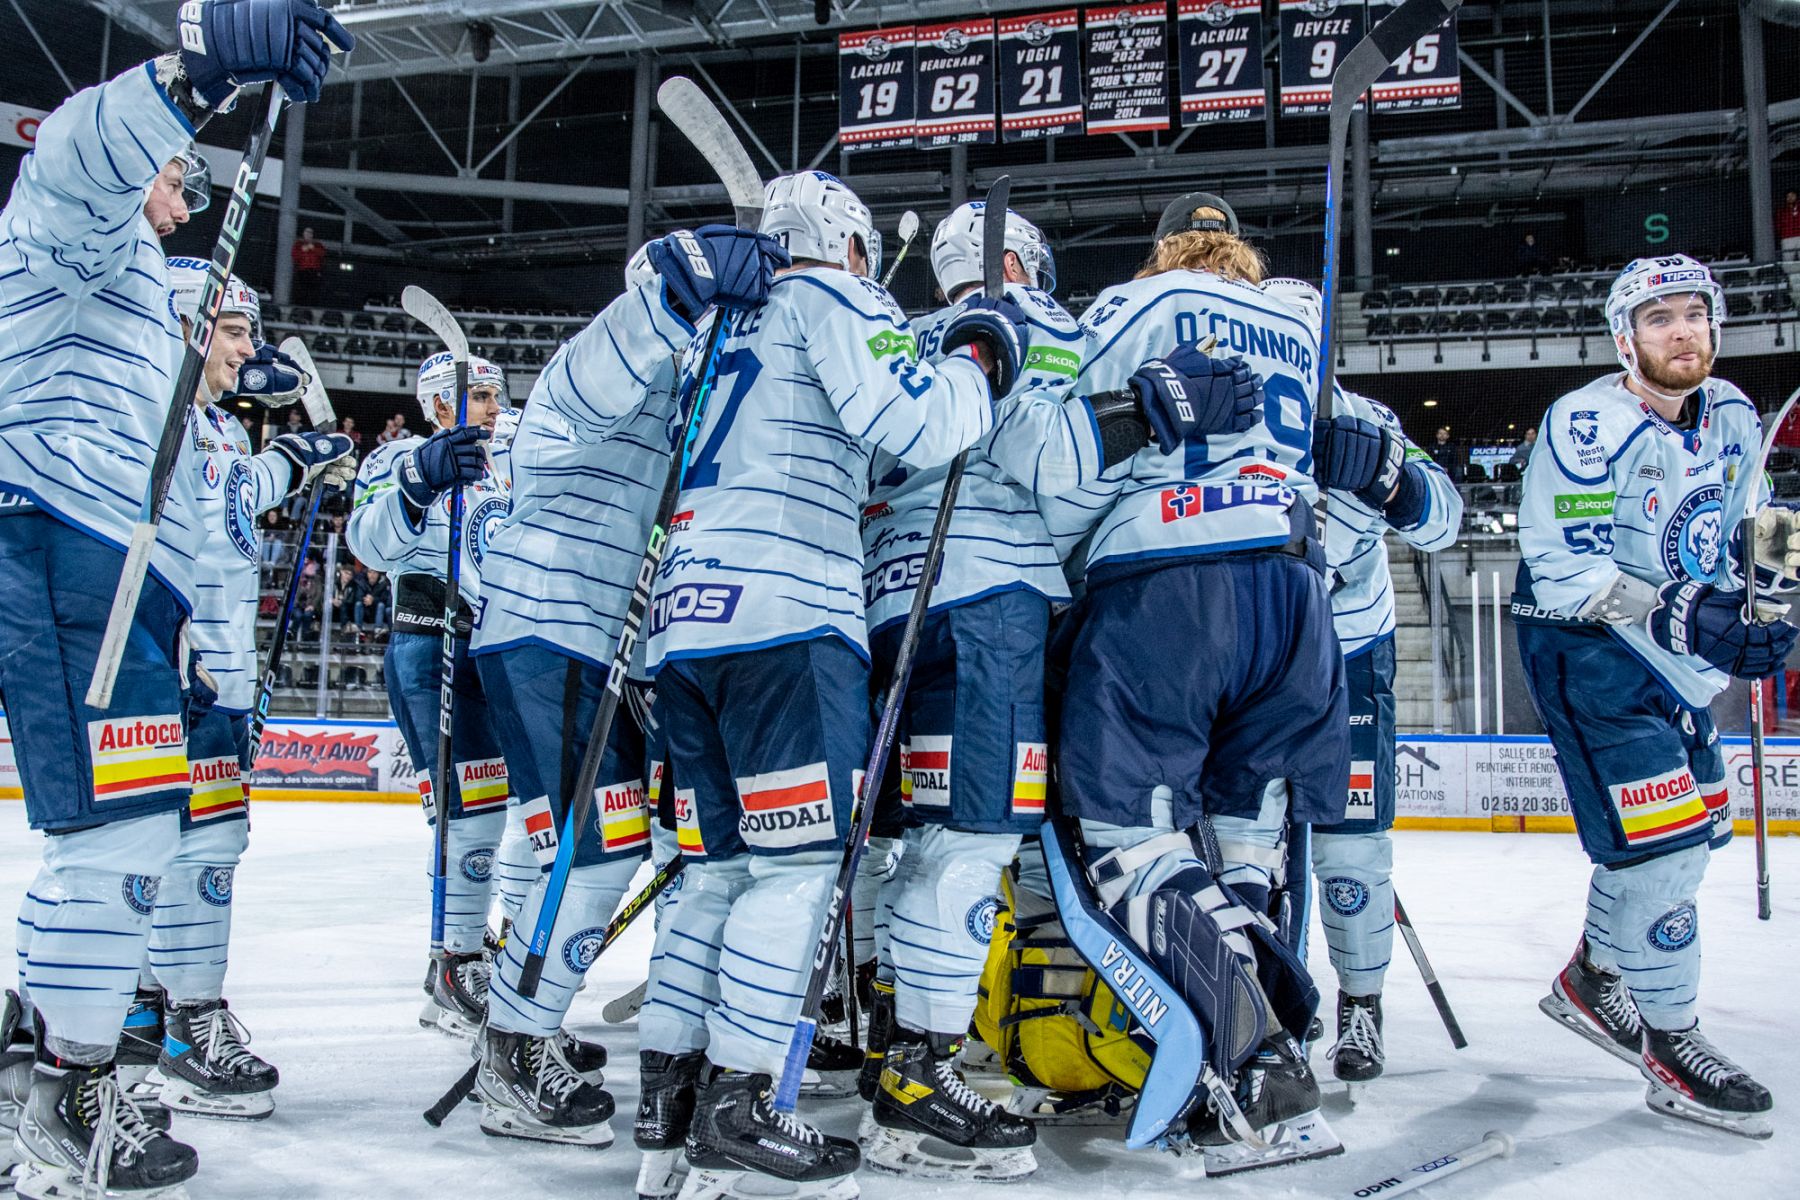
x=1190, y=394
x=202, y=690
x=1359, y=457
x=271, y=378
x=1778, y=547
x=998, y=332
x=311, y=453
x=1694, y=618
x=716, y=265
x=449, y=458
x=227, y=44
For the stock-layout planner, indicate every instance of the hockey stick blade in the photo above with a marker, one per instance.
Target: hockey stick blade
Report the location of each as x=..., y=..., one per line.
x=314, y=399
x=701, y=122
x=909, y=229
x=430, y=312
x=1492, y=1145
x=1417, y=949
x=621, y=1009
x=187, y=383
x=993, y=238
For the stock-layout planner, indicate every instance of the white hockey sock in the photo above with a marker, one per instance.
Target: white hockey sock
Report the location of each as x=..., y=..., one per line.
x=684, y=966
x=589, y=899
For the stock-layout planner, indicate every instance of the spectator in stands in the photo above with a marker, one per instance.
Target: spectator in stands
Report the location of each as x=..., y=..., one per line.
x=296, y=420
x=1444, y=453
x=346, y=600
x=306, y=604
x=348, y=428
x=373, y=617
x=1528, y=258
x=309, y=267
x=394, y=430
x=1787, y=226
x=1522, y=452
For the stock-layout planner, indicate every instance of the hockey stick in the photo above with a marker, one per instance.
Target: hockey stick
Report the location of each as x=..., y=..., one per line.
x=700, y=120
x=831, y=922
x=1417, y=949
x=621, y=1009
x=324, y=420
x=615, y=929
x=187, y=383
x=1356, y=74
x=1492, y=1145
x=1753, y=505
x=909, y=229
x=430, y=312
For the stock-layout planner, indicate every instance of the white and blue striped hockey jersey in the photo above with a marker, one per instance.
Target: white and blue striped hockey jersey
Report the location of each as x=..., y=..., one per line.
x=1044, y=440
x=768, y=550
x=1611, y=487
x=1362, y=594
x=589, y=462
x=89, y=339
x=1229, y=492
x=235, y=488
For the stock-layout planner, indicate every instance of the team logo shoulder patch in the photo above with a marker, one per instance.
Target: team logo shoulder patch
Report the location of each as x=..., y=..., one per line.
x=1674, y=930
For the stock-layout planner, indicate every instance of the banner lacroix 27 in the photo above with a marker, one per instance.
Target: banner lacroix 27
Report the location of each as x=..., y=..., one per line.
x=1221, y=45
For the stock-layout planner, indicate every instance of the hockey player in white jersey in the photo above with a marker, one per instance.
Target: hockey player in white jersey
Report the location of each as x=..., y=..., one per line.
x=1630, y=606
x=556, y=582
x=401, y=524
x=1378, y=480
x=1205, y=703
x=180, y=1024
x=95, y=344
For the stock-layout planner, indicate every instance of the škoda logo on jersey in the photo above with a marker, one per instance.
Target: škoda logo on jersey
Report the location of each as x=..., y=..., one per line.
x=624, y=817
x=137, y=756
x=783, y=809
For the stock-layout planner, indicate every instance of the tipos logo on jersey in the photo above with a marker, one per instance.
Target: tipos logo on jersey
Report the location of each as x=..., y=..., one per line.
x=621, y=815
x=707, y=603
x=1694, y=538
x=1186, y=500
x=1361, y=804
x=687, y=824
x=1674, y=930
x=137, y=756
x=240, y=517
x=581, y=949
x=1031, y=778
x=786, y=809
x=925, y=771
x=1658, y=807
x=484, y=521
x=897, y=575
x=481, y=783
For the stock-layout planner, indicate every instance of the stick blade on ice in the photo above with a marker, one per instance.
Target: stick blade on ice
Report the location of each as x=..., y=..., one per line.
x=701, y=122
x=430, y=312
x=316, y=402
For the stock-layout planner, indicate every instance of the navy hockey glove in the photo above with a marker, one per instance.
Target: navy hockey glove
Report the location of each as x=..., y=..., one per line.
x=1359, y=457
x=1190, y=394
x=716, y=265
x=1694, y=618
x=998, y=330
x=311, y=453
x=271, y=378
x=227, y=44
x=449, y=458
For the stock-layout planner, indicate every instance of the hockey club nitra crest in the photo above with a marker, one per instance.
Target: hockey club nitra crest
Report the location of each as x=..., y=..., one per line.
x=483, y=523
x=140, y=892
x=1674, y=930
x=240, y=518
x=1695, y=536
x=215, y=885
x=478, y=864
x=980, y=919
x=1346, y=896
x=580, y=951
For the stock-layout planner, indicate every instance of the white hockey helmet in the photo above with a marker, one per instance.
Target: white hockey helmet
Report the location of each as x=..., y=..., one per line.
x=187, y=282
x=956, y=249
x=813, y=215
x=1647, y=279
x=1300, y=296
x=437, y=381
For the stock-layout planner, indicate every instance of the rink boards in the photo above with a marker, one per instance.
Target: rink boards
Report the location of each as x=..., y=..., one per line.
x=1443, y=781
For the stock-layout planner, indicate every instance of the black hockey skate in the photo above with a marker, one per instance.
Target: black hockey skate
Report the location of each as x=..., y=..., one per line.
x=459, y=988
x=1597, y=1005
x=585, y=1058
x=882, y=1023
x=526, y=1092
x=831, y=1068
x=208, y=1069
x=80, y=1136
x=664, y=1114
x=737, y=1133
x=1691, y=1080
x=16, y=1057
x=923, y=1096
x=1279, y=1099
x=1357, y=1055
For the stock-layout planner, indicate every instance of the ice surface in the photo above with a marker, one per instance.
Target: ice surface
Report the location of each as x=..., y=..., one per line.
x=330, y=948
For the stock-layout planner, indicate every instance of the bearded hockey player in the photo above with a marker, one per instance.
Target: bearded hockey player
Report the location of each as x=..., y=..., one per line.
x=181, y=1025
x=1204, y=556
x=400, y=524
x=85, y=305
x=1378, y=480
x=1631, y=613
x=588, y=459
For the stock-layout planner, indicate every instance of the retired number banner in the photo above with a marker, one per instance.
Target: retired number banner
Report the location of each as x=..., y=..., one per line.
x=1127, y=68
x=1429, y=75
x=1315, y=36
x=955, y=83
x=1221, y=61
x=1040, y=75
x=875, y=89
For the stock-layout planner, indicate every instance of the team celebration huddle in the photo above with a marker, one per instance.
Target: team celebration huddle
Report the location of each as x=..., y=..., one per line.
x=992, y=692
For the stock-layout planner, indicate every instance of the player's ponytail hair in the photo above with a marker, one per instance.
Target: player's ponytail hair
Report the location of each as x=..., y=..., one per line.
x=1223, y=254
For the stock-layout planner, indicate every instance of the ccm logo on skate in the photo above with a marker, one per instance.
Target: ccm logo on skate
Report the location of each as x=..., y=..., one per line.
x=713, y=603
